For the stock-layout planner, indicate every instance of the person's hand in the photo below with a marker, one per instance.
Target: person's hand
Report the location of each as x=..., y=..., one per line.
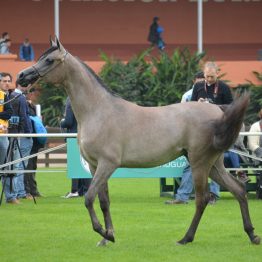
x=258, y=152
x=201, y=99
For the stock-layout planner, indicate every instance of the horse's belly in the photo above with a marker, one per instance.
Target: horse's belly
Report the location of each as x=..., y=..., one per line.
x=150, y=156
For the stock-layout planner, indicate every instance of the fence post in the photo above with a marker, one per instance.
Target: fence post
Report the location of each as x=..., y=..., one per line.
x=47, y=160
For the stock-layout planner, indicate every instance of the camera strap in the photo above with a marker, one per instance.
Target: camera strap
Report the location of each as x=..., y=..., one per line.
x=215, y=89
x=10, y=100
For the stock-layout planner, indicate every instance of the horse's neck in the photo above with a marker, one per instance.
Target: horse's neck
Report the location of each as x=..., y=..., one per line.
x=85, y=92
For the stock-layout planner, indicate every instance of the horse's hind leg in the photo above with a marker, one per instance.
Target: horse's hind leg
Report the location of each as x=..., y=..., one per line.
x=102, y=174
x=219, y=174
x=202, y=197
x=103, y=196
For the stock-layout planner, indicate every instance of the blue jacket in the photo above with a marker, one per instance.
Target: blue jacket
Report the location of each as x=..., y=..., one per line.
x=26, y=53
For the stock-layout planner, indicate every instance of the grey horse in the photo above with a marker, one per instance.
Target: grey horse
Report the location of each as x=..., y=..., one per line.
x=116, y=133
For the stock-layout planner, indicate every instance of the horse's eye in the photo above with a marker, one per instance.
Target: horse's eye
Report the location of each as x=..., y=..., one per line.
x=49, y=61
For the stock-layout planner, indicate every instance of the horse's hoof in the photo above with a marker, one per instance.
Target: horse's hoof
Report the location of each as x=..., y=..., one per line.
x=102, y=243
x=181, y=242
x=256, y=240
x=110, y=235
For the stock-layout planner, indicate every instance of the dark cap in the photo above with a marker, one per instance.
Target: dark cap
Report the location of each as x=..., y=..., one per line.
x=156, y=18
x=199, y=74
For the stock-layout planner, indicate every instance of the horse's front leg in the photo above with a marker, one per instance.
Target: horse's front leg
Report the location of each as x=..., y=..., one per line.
x=219, y=174
x=202, y=197
x=103, y=196
x=102, y=174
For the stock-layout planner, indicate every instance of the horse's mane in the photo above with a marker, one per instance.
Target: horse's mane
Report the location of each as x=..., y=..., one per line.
x=99, y=80
x=48, y=51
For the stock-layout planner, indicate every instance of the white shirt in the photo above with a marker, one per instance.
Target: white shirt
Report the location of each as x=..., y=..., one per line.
x=253, y=141
x=187, y=96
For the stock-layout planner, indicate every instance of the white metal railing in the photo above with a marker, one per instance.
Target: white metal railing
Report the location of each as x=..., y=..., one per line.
x=65, y=135
x=73, y=135
x=68, y=135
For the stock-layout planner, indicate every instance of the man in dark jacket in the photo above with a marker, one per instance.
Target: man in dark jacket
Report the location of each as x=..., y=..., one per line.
x=153, y=36
x=79, y=186
x=30, y=178
x=214, y=91
x=20, y=123
x=5, y=114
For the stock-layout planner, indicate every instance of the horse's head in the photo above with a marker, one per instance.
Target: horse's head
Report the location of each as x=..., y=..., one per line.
x=46, y=67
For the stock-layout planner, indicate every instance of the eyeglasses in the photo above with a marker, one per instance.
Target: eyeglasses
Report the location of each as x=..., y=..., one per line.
x=6, y=81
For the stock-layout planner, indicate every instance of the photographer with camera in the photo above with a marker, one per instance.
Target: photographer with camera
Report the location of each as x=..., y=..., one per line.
x=5, y=114
x=212, y=90
x=216, y=92
x=18, y=123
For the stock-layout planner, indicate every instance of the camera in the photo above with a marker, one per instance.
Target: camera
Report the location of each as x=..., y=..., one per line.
x=13, y=126
x=209, y=100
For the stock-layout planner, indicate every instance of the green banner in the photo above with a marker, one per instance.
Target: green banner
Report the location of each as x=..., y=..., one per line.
x=77, y=167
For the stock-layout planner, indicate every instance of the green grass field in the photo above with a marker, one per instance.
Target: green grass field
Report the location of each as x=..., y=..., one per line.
x=58, y=229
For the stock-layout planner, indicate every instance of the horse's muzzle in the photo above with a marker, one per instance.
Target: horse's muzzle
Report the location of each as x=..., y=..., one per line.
x=28, y=76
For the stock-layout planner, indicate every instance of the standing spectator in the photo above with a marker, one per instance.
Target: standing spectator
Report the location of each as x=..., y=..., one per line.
x=186, y=186
x=29, y=178
x=5, y=47
x=154, y=36
x=199, y=76
x=10, y=189
x=26, y=51
x=5, y=43
x=5, y=114
x=79, y=186
x=213, y=91
x=216, y=92
x=255, y=142
x=19, y=123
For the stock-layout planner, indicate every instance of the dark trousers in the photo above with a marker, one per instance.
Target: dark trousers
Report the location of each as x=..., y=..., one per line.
x=80, y=185
x=29, y=178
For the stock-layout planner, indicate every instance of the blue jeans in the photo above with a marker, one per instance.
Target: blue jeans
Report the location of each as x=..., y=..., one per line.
x=186, y=187
x=25, y=148
x=18, y=187
x=231, y=160
x=3, y=149
x=214, y=188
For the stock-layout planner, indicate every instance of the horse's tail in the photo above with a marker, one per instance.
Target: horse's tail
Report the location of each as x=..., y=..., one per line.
x=228, y=127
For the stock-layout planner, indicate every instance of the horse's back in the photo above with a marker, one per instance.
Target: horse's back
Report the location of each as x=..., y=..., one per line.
x=160, y=134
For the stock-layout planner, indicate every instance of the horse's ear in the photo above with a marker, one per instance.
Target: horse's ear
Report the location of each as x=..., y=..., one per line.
x=58, y=43
x=52, y=43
